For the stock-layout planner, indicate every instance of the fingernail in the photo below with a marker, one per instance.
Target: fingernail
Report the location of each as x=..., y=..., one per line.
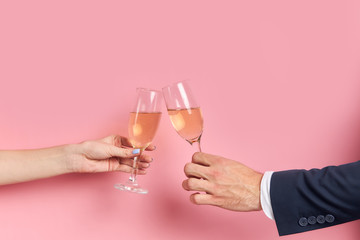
x=136, y=151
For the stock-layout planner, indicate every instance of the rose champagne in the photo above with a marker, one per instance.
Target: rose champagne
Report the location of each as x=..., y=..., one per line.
x=142, y=128
x=187, y=122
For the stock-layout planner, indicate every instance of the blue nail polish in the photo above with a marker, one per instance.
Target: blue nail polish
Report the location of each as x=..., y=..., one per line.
x=136, y=151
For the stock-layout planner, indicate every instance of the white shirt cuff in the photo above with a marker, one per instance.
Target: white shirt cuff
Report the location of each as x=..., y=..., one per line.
x=265, y=195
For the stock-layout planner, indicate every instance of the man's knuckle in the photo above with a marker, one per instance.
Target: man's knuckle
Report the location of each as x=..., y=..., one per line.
x=215, y=188
x=211, y=187
x=216, y=174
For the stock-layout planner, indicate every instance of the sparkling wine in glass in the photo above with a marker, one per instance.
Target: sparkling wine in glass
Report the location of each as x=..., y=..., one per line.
x=185, y=114
x=143, y=123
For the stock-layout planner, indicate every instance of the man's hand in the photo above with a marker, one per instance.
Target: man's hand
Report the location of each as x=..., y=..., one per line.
x=227, y=184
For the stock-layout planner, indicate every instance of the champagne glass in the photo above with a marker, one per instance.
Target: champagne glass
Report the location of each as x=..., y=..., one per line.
x=184, y=112
x=143, y=123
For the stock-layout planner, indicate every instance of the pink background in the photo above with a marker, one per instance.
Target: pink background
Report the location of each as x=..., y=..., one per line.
x=278, y=82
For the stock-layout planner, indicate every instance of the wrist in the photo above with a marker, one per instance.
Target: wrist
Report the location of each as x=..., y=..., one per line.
x=258, y=206
x=68, y=157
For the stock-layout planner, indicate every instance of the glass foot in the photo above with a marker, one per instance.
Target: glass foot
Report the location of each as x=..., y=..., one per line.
x=130, y=187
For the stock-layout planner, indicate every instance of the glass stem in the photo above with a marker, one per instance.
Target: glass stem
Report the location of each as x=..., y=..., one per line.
x=199, y=145
x=134, y=171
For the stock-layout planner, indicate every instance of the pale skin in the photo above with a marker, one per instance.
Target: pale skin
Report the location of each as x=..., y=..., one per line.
x=113, y=153
x=223, y=182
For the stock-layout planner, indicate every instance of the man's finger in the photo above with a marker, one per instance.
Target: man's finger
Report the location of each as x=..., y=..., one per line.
x=194, y=184
x=203, y=158
x=203, y=199
x=196, y=170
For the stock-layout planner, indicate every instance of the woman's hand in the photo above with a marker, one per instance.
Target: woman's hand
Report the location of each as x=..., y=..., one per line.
x=112, y=153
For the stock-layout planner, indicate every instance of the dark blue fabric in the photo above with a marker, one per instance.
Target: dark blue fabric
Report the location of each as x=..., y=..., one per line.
x=333, y=192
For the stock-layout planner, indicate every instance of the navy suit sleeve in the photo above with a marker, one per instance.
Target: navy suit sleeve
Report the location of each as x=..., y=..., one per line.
x=307, y=200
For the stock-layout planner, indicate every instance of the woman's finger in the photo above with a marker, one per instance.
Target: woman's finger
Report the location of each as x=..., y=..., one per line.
x=151, y=147
x=120, y=141
x=122, y=152
x=130, y=162
x=145, y=158
x=128, y=169
x=115, y=140
x=126, y=143
x=124, y=166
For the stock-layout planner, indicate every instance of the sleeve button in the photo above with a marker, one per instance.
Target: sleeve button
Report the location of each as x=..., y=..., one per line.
x=329, y=218
x=312, y=220
x=320, y=219
x=303, y=221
